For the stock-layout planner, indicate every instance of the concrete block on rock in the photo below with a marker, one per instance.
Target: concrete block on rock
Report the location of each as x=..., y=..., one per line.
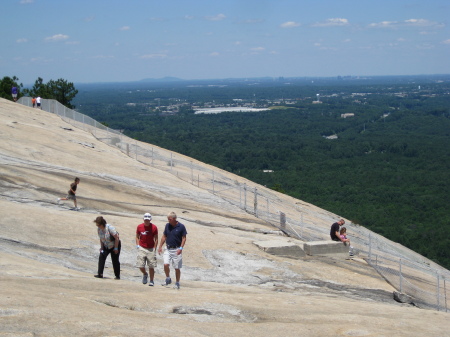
x=274, y=247
x=327, y=248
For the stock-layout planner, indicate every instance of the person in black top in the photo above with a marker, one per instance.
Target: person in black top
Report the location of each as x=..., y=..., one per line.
x=71, y=195
x=174, y=237
x=334, y=231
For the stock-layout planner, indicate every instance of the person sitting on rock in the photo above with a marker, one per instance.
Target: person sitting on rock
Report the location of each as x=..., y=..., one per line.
x=334, y=231
x=345, y=240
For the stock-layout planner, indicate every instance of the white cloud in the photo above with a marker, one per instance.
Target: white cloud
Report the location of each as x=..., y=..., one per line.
x=420, y=23
x=407, y=23
x=189, y=17
x=23, y=40
x=383, y=24
x=446, y=41
x=214, y=54
x=154, y=56
x=89, y=19
x=332, y=23
x=123, y=28
x=289, y=24
x=257, y=49
x=24, y=2
x=57, y=37
x=218, y=17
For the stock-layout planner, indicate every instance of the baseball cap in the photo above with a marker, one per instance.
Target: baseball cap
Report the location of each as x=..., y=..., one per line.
x=147, y=216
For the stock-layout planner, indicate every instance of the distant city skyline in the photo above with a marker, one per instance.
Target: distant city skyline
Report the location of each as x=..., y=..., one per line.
x=118, y=41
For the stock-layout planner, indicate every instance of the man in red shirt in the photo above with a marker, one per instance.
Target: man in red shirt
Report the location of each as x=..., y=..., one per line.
x=146, y=243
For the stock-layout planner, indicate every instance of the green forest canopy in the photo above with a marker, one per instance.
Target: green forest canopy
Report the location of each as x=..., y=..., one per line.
x=389, y=168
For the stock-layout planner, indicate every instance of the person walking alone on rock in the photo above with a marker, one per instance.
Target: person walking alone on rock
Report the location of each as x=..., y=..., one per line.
x=146, y=244
x=174, y=237
x=71, y=194
x=109, y=244
x=14, y=92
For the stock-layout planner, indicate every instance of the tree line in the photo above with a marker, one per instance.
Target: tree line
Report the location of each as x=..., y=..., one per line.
x=61, y=90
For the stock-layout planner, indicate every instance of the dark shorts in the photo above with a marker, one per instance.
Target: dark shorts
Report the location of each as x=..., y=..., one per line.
x=71, y=197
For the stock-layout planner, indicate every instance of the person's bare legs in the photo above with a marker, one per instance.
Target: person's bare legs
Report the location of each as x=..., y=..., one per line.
x=151, y=271
x=167, y=270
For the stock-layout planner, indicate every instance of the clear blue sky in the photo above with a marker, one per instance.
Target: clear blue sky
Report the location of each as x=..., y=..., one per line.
x=127, y=40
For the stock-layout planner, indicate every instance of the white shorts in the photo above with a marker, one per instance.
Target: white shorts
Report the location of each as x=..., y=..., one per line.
x=170, y=257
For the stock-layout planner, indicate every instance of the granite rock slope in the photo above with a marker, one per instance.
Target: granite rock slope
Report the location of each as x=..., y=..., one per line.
x=228, y=288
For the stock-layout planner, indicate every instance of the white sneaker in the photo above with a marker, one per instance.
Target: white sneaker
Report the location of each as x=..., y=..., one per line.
x=58, y=201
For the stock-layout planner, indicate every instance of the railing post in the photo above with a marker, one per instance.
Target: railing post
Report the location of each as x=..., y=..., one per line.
x=283, y=221
x=213, y=181
x=255, y=203
x=171, y=161
x=370, y=247
x=240, y=196
x=192, y=174
x=136, y=148
x=401, y=276
x=245, y=196
x=301, y=225
x=437, y=291
x=445, y=296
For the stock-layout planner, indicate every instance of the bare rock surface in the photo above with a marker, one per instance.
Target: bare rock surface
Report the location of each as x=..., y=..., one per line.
x=229, y=287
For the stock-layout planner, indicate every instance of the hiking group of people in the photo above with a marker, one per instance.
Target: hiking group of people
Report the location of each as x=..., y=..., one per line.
x=174, y=238
x=147, y=242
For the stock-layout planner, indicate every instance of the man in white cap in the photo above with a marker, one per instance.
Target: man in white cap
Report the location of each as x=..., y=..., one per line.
x=146, y=243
